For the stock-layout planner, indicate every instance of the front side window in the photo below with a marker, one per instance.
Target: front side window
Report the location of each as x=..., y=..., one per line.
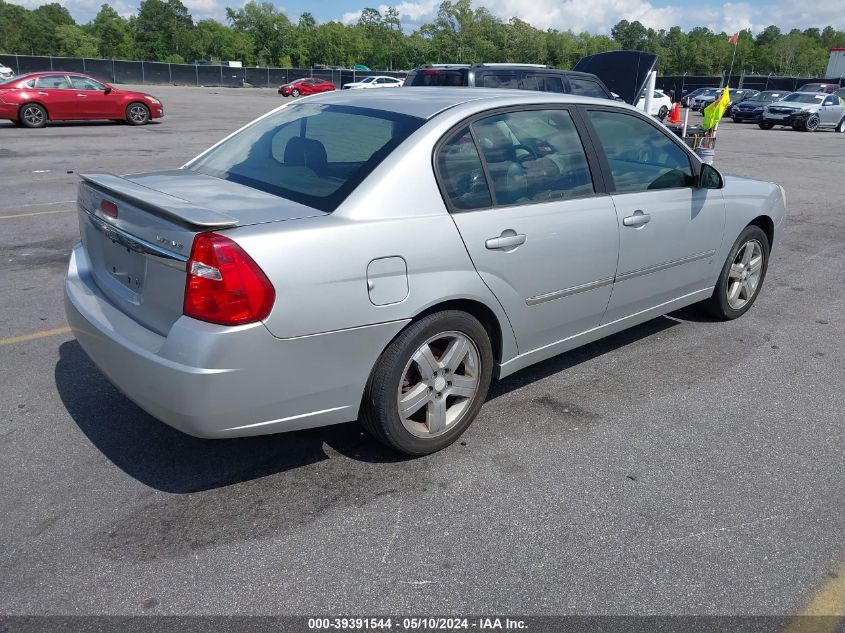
x=83, y=83
x=312, y=153
x=534, y=156
x=52, y=81
x=641, y=157
x=461, y=174
x=586, y=88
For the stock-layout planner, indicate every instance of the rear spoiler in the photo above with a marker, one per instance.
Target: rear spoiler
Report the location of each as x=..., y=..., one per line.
x=623, y=72
x=156, y=202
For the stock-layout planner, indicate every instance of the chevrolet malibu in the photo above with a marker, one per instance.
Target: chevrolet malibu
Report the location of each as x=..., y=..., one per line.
x=383, y=255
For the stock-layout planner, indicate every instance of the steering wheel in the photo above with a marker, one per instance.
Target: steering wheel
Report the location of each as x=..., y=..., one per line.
x=531, y=153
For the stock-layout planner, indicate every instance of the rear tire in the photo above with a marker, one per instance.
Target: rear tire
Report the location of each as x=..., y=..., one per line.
x=765, y=125
x=840, y=128
x=662, y=112
x=32, y=115
x=137, y=114
x=439, y=368
x=742, y=275
x=735, y=120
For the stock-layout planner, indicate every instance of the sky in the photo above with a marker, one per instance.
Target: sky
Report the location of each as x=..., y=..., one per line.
x=594, y=16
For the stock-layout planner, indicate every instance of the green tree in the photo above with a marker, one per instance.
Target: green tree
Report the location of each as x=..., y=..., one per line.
x=112, y=32
x=163, y=29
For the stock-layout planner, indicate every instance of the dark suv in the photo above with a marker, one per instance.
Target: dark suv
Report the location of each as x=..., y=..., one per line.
x=519, y=76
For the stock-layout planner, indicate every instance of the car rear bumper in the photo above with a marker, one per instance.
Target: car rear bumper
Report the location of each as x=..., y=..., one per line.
x=214, y=381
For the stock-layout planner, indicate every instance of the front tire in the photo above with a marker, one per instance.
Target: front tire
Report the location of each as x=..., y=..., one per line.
x=661, y=114
x=742, y=275
x=429, y=384
x=294, y=93
x=137, y=114
x=32, y=115
x=766, y=125
x=811, y=124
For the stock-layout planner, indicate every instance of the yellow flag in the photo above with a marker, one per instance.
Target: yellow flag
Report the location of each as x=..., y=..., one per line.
x=716, y=110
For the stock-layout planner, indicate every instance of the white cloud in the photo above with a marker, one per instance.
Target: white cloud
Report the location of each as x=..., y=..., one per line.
x=598, y=16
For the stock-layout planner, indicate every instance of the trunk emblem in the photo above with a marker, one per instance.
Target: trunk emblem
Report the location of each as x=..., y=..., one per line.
x=166, y=241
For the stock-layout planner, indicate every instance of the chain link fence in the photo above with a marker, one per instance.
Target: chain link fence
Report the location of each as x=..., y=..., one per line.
x=137, y=72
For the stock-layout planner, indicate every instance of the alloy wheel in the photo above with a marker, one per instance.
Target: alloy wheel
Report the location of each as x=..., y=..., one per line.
x=138, y=113
x=439, y=384
x=745, y=273
x=33, y=115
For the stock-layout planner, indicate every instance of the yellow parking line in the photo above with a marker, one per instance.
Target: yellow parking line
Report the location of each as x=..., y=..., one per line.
x=829, y=603
x=34, y=335
x=24, y=215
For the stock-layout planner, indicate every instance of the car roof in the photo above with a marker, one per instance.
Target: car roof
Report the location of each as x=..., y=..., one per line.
x=427, y=102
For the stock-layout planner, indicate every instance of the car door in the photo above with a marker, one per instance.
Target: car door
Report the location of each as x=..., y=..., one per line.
x=831, y=111
x=55, y=93
x=670, y=230
x=92, y=100
x=541, y=234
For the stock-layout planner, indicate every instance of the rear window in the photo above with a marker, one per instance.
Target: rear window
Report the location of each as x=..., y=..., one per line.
x=438, y=77
x=586, y=88
x=312, y=153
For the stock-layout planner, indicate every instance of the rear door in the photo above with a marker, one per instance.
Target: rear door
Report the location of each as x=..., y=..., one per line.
x=670, y=230
x=540, y=232
x=56, y=94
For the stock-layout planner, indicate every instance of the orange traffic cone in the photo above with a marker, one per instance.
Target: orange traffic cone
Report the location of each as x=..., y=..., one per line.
x=675, y=115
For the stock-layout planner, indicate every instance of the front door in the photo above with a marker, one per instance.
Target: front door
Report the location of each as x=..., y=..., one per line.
x=831, y=111
x=538, y=234
x=670, y=230
x=92, y=100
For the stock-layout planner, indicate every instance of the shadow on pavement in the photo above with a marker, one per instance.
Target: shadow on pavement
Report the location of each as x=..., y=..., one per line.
x=171, y=461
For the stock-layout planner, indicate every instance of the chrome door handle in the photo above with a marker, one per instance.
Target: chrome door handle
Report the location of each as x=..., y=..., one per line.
x=506, y=240
x=638, y=219
x=80, y=95
x=43, y=94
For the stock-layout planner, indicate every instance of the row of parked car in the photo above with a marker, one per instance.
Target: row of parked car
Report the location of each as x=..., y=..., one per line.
x=813, y=106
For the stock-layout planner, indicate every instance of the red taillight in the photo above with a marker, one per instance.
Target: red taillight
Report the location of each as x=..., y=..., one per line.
x=109, y=208
x=224, y=284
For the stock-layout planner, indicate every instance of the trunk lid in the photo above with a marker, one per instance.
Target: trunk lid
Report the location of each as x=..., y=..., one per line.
x=138, y=257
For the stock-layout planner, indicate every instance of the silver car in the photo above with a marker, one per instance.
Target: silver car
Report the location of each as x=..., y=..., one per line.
x=806, y=111
x=383, y=255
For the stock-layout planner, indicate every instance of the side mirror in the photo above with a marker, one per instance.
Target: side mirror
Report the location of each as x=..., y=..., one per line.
x=710, y=178
x=107, y=90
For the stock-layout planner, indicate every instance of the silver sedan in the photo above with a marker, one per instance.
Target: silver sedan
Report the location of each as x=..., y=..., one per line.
x=383, y=255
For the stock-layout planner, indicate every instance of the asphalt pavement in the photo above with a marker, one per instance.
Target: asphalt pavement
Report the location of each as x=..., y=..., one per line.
x=684, y=466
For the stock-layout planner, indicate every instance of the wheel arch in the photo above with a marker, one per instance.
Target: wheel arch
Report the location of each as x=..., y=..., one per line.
x=481, y=312
x=767, y=225
x=34, y=102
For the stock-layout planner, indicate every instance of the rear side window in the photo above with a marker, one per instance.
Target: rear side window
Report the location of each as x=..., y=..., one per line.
x=641, y=157
x=311, y=153
x=461, y=174
x=586, y=88
x=439, y=77
x=502, y=80
x=52, y=81
x=533, y=156
x=551, y=84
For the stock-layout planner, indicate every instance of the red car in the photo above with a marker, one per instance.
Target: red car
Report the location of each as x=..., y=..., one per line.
x=32, y=100
x=309, y=86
